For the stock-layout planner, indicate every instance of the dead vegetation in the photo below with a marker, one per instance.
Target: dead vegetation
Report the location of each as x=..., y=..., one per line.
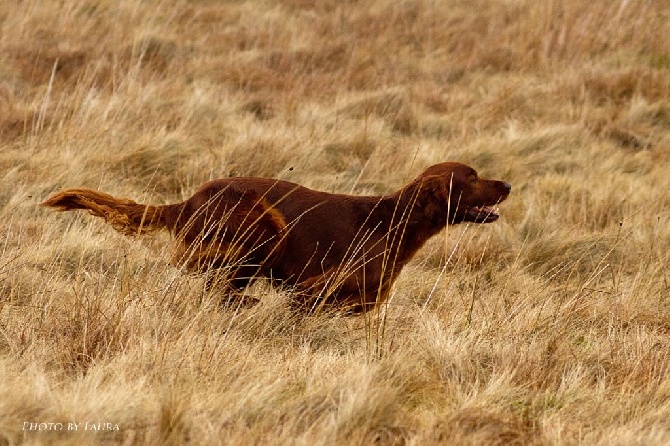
x=549, y=327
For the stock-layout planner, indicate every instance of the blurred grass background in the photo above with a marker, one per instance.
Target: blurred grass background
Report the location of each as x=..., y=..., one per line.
x=549, y=327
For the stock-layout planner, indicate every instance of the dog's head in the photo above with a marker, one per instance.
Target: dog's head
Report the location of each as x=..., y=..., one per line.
x=458, y=194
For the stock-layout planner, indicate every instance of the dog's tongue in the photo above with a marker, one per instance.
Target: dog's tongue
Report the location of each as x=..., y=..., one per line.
x=482, y=214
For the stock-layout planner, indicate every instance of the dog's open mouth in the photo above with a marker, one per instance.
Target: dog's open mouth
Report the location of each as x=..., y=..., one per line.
x=481, y=214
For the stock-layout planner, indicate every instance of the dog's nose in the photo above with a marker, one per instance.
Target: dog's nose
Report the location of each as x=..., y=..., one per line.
x=507, y=187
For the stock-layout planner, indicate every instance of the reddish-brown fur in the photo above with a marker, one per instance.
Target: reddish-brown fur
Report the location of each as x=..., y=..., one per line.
x=332, y=248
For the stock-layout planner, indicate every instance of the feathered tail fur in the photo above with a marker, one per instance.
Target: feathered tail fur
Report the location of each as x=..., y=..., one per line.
x=124, y=215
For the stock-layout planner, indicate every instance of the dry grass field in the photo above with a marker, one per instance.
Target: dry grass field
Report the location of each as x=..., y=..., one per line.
x=550, y=326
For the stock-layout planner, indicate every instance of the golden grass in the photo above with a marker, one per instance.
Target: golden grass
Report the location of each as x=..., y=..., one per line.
x=550, y=326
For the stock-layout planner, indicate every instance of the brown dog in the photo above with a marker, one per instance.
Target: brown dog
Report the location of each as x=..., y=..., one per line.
x=332, y=248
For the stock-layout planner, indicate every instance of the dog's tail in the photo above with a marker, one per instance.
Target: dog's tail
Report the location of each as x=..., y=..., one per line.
x=124, y=215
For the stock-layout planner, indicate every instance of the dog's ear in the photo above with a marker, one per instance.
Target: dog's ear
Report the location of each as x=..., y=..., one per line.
x=433, y=197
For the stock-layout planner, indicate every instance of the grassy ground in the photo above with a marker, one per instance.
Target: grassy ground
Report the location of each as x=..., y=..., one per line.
x=551, y=326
